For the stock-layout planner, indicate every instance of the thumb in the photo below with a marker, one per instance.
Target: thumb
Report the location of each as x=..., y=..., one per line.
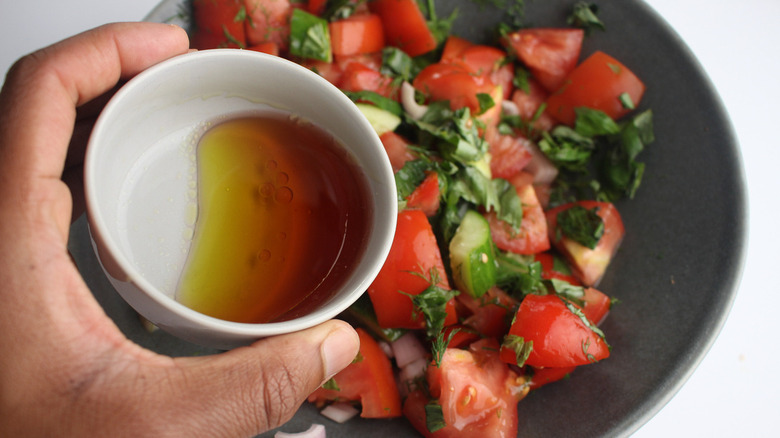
x=252, y=389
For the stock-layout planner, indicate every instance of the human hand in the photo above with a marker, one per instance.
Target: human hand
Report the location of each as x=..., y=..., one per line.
x=65, y=368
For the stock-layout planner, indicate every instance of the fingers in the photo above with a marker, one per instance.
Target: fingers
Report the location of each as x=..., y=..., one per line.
x=249, y=390
x=42, y=91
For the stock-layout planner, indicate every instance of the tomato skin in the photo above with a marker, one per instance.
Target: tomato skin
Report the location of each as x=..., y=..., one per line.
x=269, y=22
x=596, y=83
x=588, y=264
x=543, y=376
x=359, y=77
x=397, y=149
x=316, y=7
x=452, y=82
x=532, y=236
x=212, y=19
x=269, y=48
x=426, y=197
x=560, y=338
x=413, y=255
x=550, y=54
x=404, y=25
x=369, y=380
x=547, y=261
x=597, y=305
x=357, y=34
x=486, y=61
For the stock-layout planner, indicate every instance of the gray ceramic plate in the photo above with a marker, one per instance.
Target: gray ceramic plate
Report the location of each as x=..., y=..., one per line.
x=676, y=273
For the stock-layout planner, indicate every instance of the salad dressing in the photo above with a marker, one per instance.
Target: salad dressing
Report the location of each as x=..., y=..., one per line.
x=282, y=218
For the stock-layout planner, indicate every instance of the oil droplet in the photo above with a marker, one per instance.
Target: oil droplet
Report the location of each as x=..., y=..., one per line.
x=272, y=164
x=264, y=255
x=282, y=178
x=267, y=190
x=284, y=195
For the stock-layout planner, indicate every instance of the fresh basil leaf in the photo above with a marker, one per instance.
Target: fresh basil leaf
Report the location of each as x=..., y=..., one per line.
x=397, y=64
x=626, y=101
x=519, y=275
x=575, y=294
x=485, y=102
x=510, y=207
x=410, y=176
x=519, y=345
x=591, y=123
x=377, y=100
x=432, y=303
x=581, y=225
x=309, y=36
x=340, y=9
x=434, y=416
x=585, y=16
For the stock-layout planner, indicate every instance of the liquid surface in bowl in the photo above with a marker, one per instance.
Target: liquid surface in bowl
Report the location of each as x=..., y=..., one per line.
x=283, y=216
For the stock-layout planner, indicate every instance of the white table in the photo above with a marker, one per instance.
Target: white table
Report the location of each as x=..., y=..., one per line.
x=735, y=391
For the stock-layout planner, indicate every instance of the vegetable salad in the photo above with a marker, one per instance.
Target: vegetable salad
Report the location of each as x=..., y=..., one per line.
x=509, y=158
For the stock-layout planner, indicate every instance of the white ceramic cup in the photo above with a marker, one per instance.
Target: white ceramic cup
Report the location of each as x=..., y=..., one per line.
x=140, y=180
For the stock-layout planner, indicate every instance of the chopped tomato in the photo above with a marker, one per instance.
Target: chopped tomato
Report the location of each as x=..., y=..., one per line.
x=488, y=312
x=528, y=104
x=588, y=264
x=532, y=237
x=597, y=83
x=548, y=262
x=269, y=48
x=509, y=154
x=359, y=77
x=597, y=305
x=543, y=376
x=357, y=34
x=328, y=70
x=491, y=62
x=369, y=379
x=550, y=54
x=426, y=196
x=405, y=26
x=216, y=25
x=462, y=335
x=397, y=149
x=370, y=60
x=413, y=261
x=454, y=48
x=316, y=7
x=481, y=394
x=269, y=21
x=560, y=338
x=454, y=83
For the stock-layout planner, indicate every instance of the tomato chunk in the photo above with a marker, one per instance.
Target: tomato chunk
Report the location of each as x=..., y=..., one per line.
x=414, y=257
x=509, y=153
x=532, y=237
x=359, y=77
x=454, y=83
x=269, y=21
x=215, y=24
x=489, y=312
x=588, y=264
x=397, y=149
x=481, y=394
x=426, y=197
x=357, y=34
x=550, y=54
x=369, y=380
x=543, y=376
x=598, y=83
x=405, y=26
x=560, y=338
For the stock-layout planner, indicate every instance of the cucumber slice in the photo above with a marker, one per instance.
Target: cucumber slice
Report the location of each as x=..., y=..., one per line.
x=472, y=256
x=381, y=120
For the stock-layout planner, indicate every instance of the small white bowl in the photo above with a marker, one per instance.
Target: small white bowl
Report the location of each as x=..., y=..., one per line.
x=140, y=180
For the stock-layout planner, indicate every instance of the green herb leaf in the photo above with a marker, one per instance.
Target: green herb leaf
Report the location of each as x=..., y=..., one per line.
x=340, y=9
x=625, y=100
x=410, y=176
x=309, y=36
x=485, y=102
x=331, y=384
x=432, y=303
x=591, y=123
x=397, y=64
x=581, y=225
x=377, y=100
x=521, y=348
x=584, y=15
x=510, y=208
x=519, y=275
x=434, y=416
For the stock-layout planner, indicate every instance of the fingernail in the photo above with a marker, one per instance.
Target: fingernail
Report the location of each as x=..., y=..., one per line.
x=339, y=350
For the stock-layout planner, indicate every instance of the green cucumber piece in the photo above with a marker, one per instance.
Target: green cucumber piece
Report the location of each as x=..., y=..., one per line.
x=382, y=121
x=472, y=256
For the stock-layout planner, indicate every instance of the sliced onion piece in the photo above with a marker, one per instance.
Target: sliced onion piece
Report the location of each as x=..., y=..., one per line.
x=414, y=109
x=315, y=431
x=386, y=348
x=543, y=170
x=407, y=349
x=407, y=378
x=339, y=412
x=510, y=108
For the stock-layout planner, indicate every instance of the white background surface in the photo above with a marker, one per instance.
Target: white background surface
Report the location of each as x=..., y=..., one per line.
x=735, y=392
